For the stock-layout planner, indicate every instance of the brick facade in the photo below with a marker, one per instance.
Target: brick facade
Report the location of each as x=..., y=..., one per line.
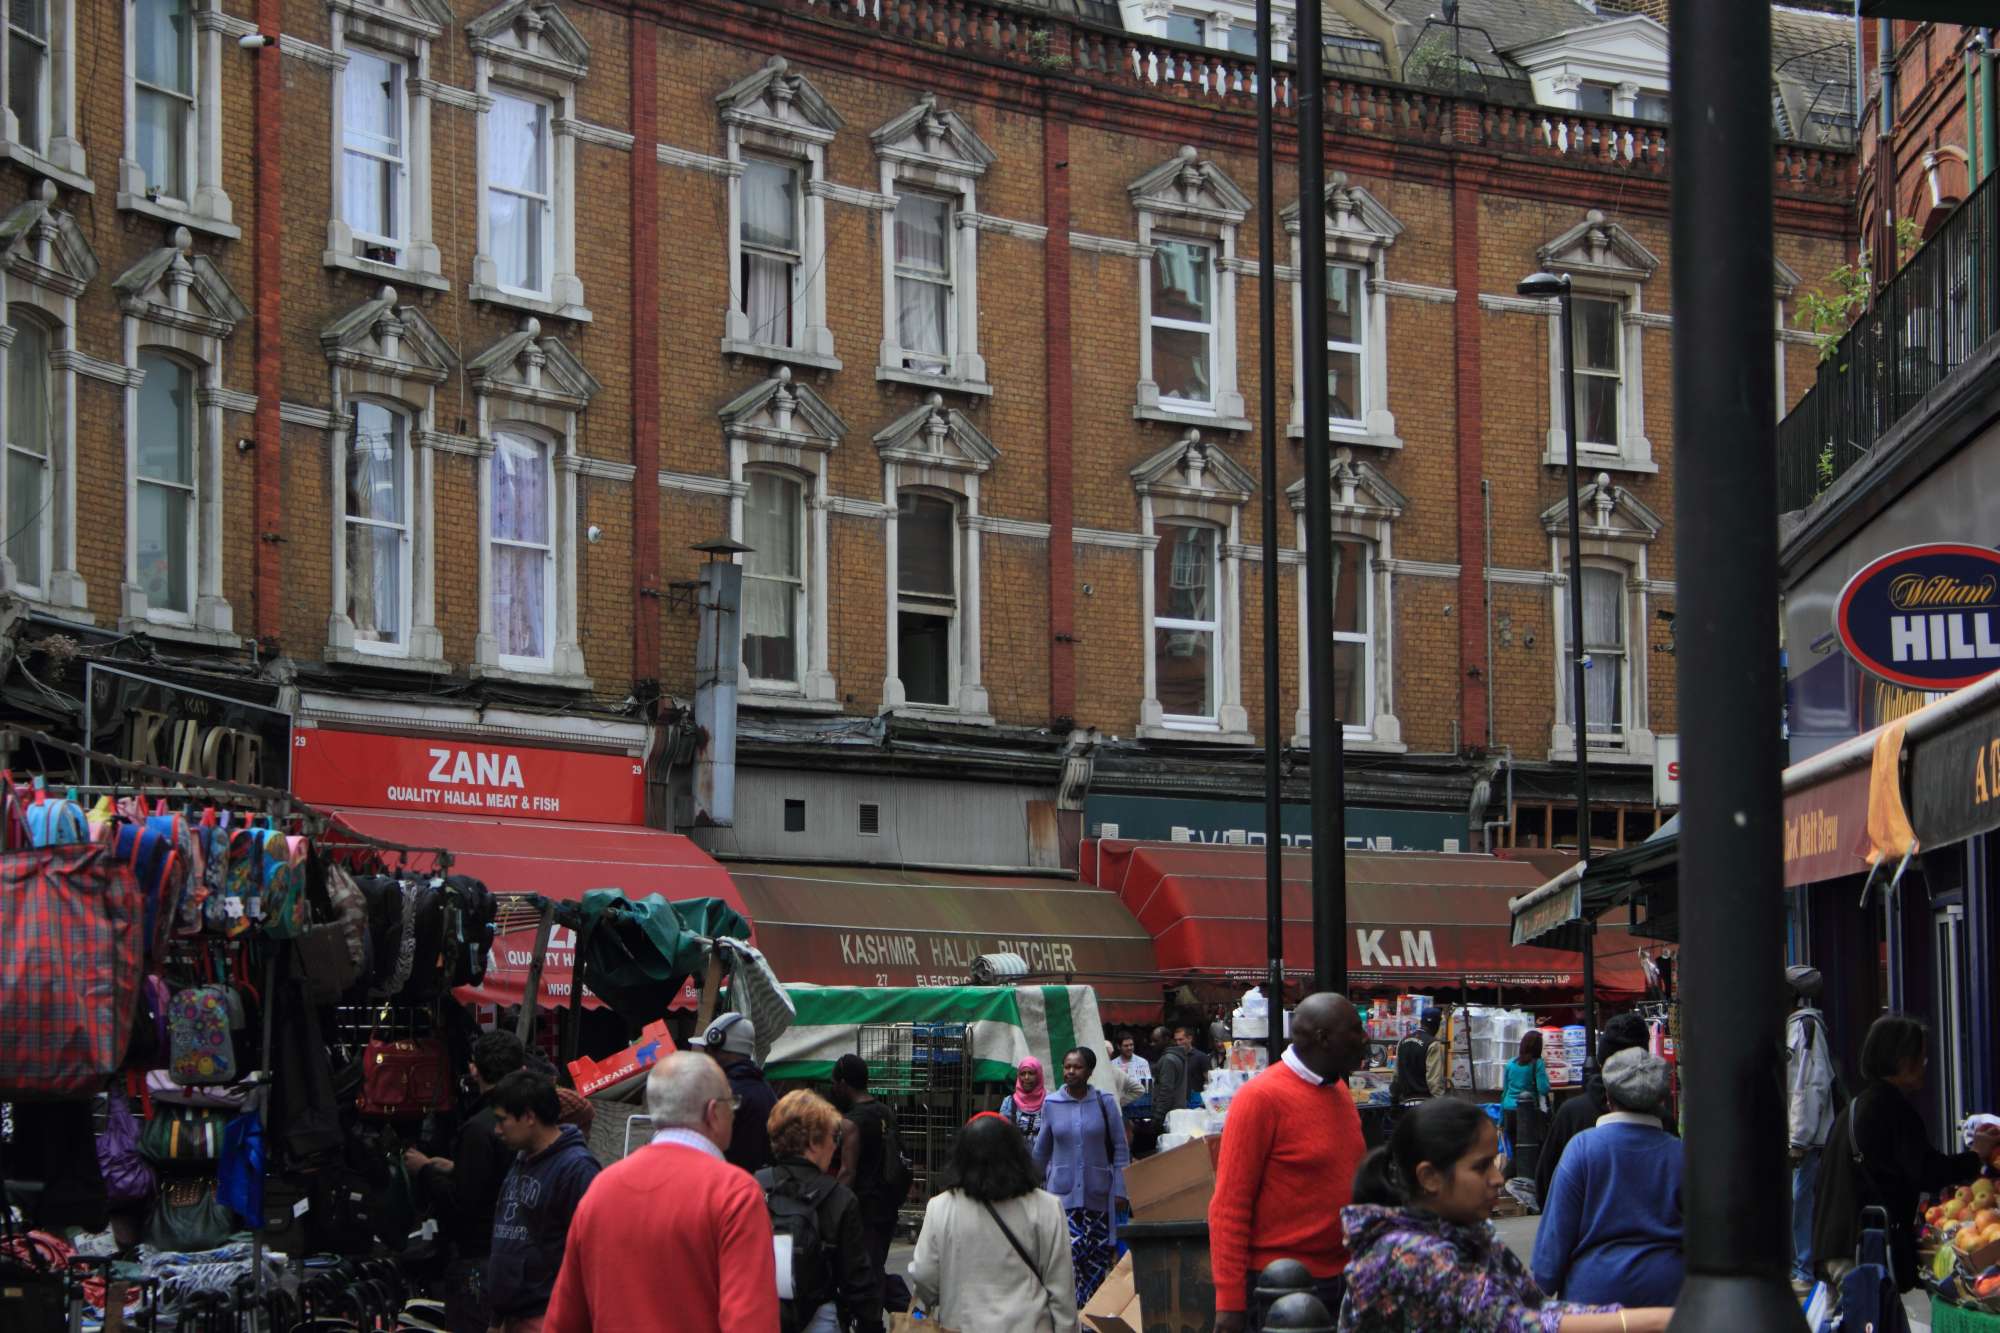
x=1477, y=190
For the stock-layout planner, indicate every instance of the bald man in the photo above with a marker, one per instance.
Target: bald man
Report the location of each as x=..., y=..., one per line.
x=679, y=1197
x=1289, y=1151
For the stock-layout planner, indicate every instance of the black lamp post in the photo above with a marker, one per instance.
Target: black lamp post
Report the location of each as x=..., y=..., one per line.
x=1544, y=286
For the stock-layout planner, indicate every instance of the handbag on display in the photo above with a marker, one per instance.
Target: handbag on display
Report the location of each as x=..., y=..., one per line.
x=127, y=1177
x=160, y=1087
x=182, y=1134
x=72, y=918
x=187, y=1217
x=199, y=1020
x=405, y=1079
x=324, y=958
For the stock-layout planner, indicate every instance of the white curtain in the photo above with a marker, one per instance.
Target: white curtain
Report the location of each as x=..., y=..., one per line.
x=1604, y=639
x=517, y=188
x=373, y=136
x=770, y=223
x=376, y=525
x=28, y=448
x=521, y=551
x=163, y=49
x=771, y=582
x=923, y=238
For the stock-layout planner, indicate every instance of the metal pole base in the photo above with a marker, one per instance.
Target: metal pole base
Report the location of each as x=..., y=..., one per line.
x=1715, y=1301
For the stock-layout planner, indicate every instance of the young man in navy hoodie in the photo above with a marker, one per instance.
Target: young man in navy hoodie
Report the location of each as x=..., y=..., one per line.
x=552, y=1168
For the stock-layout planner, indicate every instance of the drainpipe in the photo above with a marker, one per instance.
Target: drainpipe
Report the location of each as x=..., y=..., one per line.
x=1973, y=174
x=1486, y=501
x=1885, y=152
x=1989, y=103
x=267, y=267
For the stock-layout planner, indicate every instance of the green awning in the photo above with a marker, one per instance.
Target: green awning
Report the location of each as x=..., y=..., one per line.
x=1646, y=874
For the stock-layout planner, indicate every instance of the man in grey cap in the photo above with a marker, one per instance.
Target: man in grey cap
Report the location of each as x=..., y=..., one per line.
x=731, y=1041
x=1809, y=1084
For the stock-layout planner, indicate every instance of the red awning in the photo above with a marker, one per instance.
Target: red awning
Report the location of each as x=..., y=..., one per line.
x=557, y=860
x=1414, y=918
x=879, y=926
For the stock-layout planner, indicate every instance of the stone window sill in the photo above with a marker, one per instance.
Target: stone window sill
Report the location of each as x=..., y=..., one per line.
x=533, y=305
x=1338, y=436
x=942, y=383
x=177, y=216
x=1202, y=735
x=786, y=703
x=1198, y=420
x=42, y=166
x=541, y=679
x=391, y=273
x=429, y=666
x=176, y=632
x=790, y=356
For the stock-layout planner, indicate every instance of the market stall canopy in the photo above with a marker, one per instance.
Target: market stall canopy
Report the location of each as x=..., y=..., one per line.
x=559, y=860
x=1005, y=1024
x=879, y=927
x=1414, y=918
x=1645, y=873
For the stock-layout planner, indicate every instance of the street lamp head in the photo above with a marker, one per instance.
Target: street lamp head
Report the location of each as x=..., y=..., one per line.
x=1543, y=284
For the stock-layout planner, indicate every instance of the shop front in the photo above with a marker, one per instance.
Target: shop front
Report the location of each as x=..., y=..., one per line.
x=522, y=818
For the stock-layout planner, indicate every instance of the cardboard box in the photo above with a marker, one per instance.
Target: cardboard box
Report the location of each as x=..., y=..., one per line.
x=595, y=1076
x=1114, y=1307
x=1174, y=1186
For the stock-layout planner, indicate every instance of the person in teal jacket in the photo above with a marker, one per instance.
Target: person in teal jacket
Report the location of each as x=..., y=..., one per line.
x=1523, y=1102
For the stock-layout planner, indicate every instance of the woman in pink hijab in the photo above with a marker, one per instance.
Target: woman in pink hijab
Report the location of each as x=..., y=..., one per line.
x=1023, y=1109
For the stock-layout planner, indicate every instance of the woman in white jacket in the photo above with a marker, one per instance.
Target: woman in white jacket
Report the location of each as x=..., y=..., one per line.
x=993, y=1255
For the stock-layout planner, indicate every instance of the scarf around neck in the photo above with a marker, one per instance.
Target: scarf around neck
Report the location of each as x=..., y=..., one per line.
x=1024, y=1100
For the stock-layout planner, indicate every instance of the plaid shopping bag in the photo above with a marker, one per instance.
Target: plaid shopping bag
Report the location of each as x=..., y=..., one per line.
x=73, y=919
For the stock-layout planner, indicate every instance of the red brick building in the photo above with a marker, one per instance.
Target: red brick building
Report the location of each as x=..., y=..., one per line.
x=401, y=360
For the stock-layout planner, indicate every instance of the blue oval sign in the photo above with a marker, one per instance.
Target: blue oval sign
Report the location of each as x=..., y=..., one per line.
x=1926, y=616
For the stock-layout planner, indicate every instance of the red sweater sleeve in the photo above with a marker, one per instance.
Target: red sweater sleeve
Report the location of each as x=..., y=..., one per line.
x=749, y=1296
x=1239, y=1172
x=569, y=1306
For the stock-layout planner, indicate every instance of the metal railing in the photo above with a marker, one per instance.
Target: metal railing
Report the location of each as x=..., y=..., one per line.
x=1932, y=318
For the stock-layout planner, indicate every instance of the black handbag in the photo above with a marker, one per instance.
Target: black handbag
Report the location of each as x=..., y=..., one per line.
x=188, y=1218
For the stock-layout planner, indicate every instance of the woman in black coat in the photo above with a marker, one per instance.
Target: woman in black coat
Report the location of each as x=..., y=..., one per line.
x=1880, y=1153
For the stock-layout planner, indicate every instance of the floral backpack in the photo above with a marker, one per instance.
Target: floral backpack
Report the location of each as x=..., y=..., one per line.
x=199, y=1021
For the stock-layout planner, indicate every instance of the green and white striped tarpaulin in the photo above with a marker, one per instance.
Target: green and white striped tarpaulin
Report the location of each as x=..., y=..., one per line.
x=1006, y=1025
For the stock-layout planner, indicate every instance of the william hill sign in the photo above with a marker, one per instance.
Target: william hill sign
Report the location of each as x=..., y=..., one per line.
x=1926, y=616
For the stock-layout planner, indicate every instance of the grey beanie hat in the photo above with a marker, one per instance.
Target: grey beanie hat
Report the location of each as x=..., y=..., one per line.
x=1636, y=1081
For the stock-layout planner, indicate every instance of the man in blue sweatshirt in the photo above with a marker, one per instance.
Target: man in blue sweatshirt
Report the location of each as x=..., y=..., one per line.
x=552, y=1168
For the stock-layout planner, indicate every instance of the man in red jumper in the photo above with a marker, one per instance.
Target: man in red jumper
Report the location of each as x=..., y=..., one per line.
x=673, y=1236
x=1289, y=1150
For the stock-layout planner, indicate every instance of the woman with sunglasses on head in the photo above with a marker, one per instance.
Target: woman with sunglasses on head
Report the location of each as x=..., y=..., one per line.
x=1424, y=1254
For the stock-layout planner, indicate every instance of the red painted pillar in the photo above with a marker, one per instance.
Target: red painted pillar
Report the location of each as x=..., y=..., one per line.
x=1469, y=389
x=645, y=219
x=1058, y=370
x=269, y=379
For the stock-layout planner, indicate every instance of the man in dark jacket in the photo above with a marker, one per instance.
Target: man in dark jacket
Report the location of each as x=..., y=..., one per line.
x=867, y=1137
x=552, y=1168
x=731, y=1041
x=1171, y=1077
x=1624, y=1032
x=1412, y=1082
x=463, y=1189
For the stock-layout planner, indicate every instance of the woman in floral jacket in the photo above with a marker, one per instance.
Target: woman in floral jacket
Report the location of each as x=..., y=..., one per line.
x=1425, y=1256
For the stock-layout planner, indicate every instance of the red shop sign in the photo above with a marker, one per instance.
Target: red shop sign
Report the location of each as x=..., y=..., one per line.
x=369, y=771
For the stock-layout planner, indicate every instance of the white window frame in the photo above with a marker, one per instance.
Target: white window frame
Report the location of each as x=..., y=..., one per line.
x=793, y=260
x=1617, y=530
x=1156, y=321
x=178, y=304
x=1359, y=348
x=787, y=427
x=508, y=433
x=938, y=449
x=1605, y=262
x=192, y=488
x=778, y=114
x=1365, y=509
x=1359, y=235
x=947, y=279
x=45, y=462
x=48, y=267
x=801, y=609
x=207, y=209
x=1620, y=653
x=906, y=603
x=1364, y=552
x=387, y=352
x=404, y=36
x=395, y=156
x=59, y=155
x=528, y=49
x=1585, y=374
x=928, y=150
x=540, y=201
x=1213, y=627
x=1192, y=483
x=528, y=384
x=405, y=530
x=1190, y=199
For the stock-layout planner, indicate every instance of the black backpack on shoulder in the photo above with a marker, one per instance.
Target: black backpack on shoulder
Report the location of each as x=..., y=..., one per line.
x=794, y=1208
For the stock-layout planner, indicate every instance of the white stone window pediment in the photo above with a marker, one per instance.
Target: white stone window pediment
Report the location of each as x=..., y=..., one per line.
x=385, y=337
x=536, y=374
x=1359, y=231
x=1190, y=470
x=44, y=247
x=1608, y=513
x=936, y=438
x=397, y=23
x=1189, y=189
x=1598, y=248
x=533, y=40
x=783, y=414
x=780, y=102
x=929, y=150
x=176, y=288
x=1785, y=280
x=1192, y=201
x=1358, y=491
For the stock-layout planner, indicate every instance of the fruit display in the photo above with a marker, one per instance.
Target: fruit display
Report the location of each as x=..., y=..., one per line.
x=1964, y=1228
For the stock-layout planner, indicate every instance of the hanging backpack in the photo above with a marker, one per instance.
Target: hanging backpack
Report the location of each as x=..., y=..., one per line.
x=127, y=1177
x=199, y=1020
x=794, y=1208
x=286, y=909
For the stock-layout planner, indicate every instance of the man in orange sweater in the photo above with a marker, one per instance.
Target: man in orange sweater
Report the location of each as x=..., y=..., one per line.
x=1289, y=1150
x=673, y=1236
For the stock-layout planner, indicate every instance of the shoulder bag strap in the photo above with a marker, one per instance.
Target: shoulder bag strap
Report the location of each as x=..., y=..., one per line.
x=1015, y=1241
x=1104, y=1114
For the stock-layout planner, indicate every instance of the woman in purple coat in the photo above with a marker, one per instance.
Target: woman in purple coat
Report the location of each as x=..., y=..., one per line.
x=1081, y=1150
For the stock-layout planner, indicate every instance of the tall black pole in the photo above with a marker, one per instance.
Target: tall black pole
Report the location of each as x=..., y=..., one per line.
x=1329, y=797
x=1579, y=664
x=1267, y=426
x=1738, y=1243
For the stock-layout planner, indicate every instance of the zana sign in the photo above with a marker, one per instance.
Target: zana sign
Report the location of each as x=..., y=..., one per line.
x=1926, y=616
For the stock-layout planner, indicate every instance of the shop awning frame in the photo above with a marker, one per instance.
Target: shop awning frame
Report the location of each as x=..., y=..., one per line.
x=1553, y=916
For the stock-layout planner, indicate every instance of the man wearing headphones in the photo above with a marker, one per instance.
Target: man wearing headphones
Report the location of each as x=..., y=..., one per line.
x=731, y=1040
